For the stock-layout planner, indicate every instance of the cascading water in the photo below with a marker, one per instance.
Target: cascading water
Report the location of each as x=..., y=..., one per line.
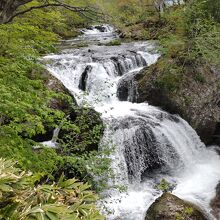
x=149, y=144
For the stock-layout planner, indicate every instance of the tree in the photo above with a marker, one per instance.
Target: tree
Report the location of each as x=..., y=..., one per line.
x=9, y=9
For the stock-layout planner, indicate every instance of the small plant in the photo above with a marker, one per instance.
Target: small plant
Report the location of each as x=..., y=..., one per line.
x=199, y=78
x=165, y=186
x=188, y=100
x=187, y=212
x=114, y=43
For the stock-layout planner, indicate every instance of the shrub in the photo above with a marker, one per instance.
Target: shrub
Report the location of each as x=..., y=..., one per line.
x=22, y=197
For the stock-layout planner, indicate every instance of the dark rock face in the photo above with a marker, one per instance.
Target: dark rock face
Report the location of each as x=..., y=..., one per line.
x=53, y=83
x=170, y=207
x=58, y=103
x=217, y=134
x=215, y=203
x=126, y=90
x=101, y=28
x=195, y=101
x=122, y=91
x=84, y=77
x=118, y=66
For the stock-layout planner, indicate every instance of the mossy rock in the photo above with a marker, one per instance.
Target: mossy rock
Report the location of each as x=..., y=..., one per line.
x=215, y=203
x=170, y=207
x=192, y=93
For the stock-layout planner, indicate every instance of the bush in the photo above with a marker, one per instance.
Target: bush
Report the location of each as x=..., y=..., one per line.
x=22, y=197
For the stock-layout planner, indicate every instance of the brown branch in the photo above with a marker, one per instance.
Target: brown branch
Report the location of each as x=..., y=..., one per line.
x=18, y=3
x=80, y=10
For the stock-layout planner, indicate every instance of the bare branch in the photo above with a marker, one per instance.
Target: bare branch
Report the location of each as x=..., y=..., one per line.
x=84, y=11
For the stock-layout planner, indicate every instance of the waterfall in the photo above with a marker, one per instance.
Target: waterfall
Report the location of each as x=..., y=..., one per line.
x=53, y=142
x=149, y=144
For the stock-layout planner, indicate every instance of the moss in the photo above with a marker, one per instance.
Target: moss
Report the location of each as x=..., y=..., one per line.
x=114, y=43
x=171, y=207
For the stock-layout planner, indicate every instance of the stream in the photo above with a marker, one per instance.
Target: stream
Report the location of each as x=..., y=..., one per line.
x=149, y=143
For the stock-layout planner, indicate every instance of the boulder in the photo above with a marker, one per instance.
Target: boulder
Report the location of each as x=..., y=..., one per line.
x=126, y=90
x=193, y=94
x=59, y=102
x=170, y=207
x=84, y=77
x=101, y=28
x=215, y=203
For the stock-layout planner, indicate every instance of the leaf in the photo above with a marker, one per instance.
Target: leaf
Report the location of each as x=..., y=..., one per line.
x=52, y=215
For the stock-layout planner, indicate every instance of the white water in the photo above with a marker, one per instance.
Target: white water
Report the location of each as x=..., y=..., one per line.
x=150, y=144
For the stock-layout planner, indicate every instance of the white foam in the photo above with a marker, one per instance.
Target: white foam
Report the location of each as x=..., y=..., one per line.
x=130, y=126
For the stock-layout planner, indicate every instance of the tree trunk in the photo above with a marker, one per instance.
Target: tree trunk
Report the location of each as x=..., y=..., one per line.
x=8, y=8
x=159, y=6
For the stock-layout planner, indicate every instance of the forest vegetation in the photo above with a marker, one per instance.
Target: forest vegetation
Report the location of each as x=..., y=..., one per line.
x=38, y=184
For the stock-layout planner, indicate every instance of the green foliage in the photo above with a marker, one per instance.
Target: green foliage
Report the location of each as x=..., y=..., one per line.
x=190, y=39
x=129, y=12
x=200, y=78
x=204, y=30
x=87, y=166
x=53, y=20
x=24, y=105
x=171, y=79
x=22, y=197
x=25, y=111
x=114, y=43
x=211, y=9
x=187, y=213
x=164, y=186
x=84, y=134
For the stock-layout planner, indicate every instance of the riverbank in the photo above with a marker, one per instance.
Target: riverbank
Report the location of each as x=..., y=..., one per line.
x=186, y=79
x=34, y=104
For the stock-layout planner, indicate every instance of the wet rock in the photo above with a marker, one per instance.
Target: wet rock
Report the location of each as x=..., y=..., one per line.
x=122, y=91
x=59, y=103
x=195, y=97
x=84, y=77
x=52, y=83
x=47, y=136
x=215, y=203
x=118, y=65
x=170, y=207
x=216, y=136
x=126, y=90
x=101, y=28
